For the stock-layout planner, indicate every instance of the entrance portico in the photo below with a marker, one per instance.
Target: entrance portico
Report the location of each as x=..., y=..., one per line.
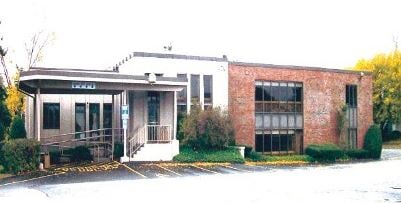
x=152, y=115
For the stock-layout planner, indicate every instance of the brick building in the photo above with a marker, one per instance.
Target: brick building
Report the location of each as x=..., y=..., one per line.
x=278, y=108
x=275, y=109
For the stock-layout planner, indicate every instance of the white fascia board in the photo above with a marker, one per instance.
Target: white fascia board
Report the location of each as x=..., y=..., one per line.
x=110, y=80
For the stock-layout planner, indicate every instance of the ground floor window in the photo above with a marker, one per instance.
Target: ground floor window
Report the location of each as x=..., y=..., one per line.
x=51, y=115
x=278, y=142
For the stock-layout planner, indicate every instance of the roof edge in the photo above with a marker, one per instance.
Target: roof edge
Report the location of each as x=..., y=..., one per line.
x=294, y=67
x=180, y=56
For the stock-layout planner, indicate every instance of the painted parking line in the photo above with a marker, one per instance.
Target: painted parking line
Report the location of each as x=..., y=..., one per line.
x=132, y=170
x=31, y=179
x=90, y=167
x=204, y=169
x=167, y=170
x=237, y=169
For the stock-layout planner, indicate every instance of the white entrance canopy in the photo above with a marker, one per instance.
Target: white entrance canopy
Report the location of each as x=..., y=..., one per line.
x=70, y=81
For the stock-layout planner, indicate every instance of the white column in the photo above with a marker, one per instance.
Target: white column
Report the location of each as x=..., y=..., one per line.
x=125, y=158
x=38, y=112
x=113, y=125
x=175, y=116
x=189, y=94
x=201, y=90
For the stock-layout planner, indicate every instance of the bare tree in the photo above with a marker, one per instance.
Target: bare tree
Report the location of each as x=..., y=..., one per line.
x=3, y=53
x=35, y=47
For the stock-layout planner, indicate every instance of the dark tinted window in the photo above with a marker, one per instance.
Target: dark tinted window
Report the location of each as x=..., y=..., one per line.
x=182, y=95
x=195, y=88
x=51, y=116
x=208, y=88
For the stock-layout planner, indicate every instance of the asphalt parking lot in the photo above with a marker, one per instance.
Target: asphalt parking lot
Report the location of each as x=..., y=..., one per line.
x=110, y=171
x=114, y=171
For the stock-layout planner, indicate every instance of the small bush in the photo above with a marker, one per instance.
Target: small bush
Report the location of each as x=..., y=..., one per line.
x=357, y=154
x=55, y=157
x=247, y=151
x=180, y=121
x=118, y=150
x=373, y=142
x=81, y=153
x=21, y=155
x=255, y=156
x=324, y=152
x=209, y=129
x=17, y=128
x=394, y=135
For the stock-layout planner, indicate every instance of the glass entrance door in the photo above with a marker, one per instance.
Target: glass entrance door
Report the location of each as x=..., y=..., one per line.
x=80, y=120
x=153, y=115
x=153, y=108
x=94, y=120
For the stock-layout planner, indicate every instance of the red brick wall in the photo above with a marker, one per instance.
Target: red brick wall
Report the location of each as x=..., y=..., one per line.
x=323, y=92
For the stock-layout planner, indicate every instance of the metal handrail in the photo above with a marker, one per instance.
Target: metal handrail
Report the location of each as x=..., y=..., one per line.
x=95, y=141
x=148, y=134
x=81, y=132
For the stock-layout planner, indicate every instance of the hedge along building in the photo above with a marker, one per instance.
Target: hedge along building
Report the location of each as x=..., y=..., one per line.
x=83, y=107
x=283, y=109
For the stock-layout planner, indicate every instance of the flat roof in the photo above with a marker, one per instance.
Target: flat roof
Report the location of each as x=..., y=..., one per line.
x=179, y=56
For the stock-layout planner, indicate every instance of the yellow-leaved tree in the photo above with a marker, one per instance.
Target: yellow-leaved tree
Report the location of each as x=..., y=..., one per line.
x=386, y=72
x=15, y=100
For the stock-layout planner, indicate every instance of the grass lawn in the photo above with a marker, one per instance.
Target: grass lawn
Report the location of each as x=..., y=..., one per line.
x=393, y=144
x=188, y=155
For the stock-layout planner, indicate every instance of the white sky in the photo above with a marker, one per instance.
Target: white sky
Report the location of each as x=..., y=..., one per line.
x=97, y=34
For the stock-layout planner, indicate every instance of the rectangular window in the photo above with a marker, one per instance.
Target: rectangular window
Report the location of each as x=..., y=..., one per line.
x=208, y=90
x=278, y=109
x=351, y=95
x=51, y=115
x=182, y=109
x=80, y=120
x=153, y=108
x=351, y=100
x=182, y=95
x=195, y=90
x=107, y=118
x=94, y=120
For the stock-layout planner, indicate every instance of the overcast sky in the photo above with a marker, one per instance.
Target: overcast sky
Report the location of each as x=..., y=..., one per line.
x=95, y=34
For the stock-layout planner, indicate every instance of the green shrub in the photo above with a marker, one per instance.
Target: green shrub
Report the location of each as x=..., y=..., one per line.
x=357, y=153
x=81, y=153
x=373, y=142
x=208, y=129
x=55, y=157
x=255, y=156
x=17, y=128
x=21, y=155
x=189, y=155
x=118, y=150
x=394, y=135
x=324, y=152
x=247, y=151
x=180, y=121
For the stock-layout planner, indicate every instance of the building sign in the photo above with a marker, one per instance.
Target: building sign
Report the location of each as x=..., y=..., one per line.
x=124, y=112
x=84, y=85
